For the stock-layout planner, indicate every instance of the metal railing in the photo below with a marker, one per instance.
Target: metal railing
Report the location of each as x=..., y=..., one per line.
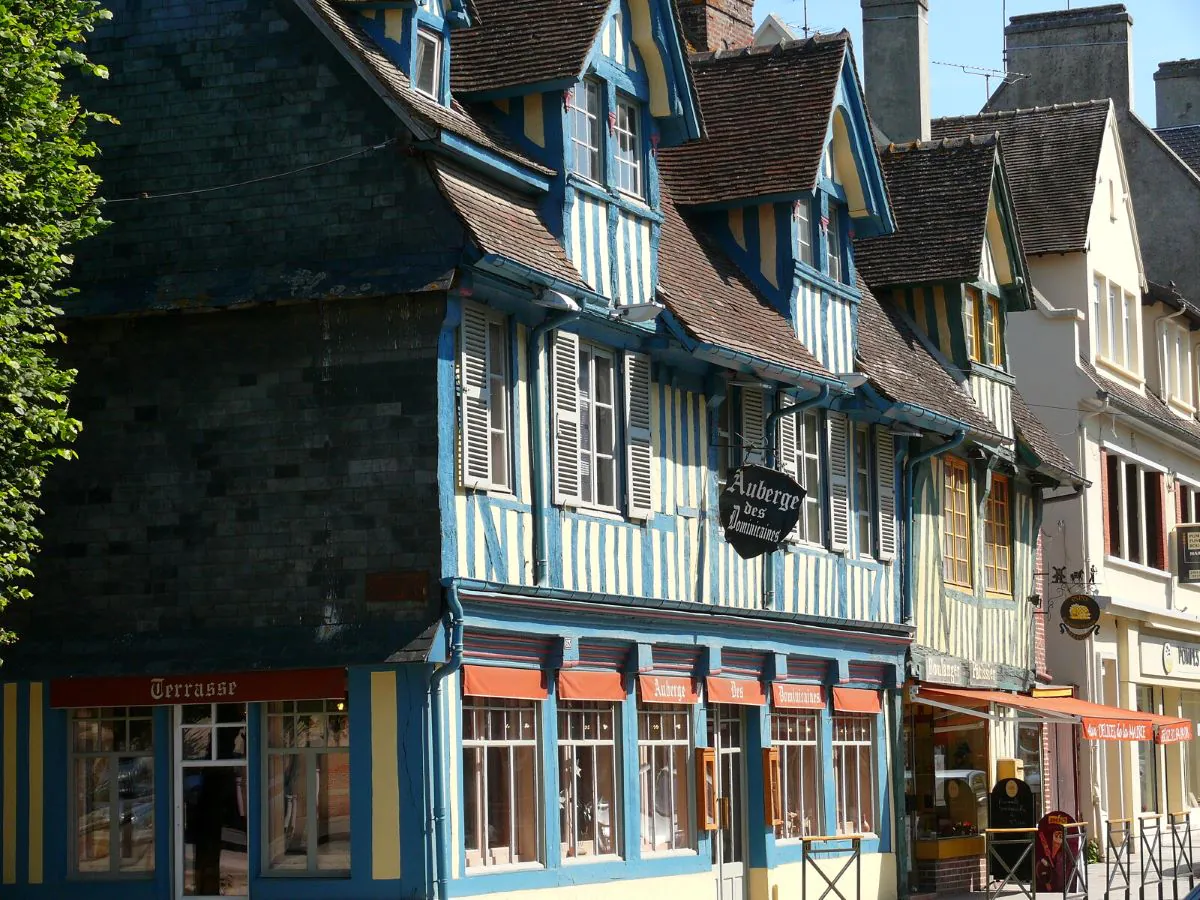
x=1118, y=840
x=1074, y=859
x=1150, y=850
x=852, y=858
x=1180, y=826
x=1020, y=841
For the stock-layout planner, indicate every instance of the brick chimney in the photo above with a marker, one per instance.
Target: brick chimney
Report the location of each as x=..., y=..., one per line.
x=896, y=67
x=717, y=24
x=1069, y=55
x=1177, y=93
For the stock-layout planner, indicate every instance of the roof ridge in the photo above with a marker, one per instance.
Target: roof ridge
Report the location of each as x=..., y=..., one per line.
x=991, y=139
x=784, y=46
x=1003, y=113
x=1161, y=128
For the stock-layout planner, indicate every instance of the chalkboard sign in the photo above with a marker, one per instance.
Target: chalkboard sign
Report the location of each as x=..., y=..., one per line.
x=1011, y=806
x=1189, y=553
x=759, y=507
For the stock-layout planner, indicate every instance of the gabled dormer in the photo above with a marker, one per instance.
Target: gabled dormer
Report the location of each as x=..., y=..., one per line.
x=786, y=194
x=415, y=35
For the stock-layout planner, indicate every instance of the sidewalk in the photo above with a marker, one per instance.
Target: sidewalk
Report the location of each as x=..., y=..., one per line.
x=1098, y=888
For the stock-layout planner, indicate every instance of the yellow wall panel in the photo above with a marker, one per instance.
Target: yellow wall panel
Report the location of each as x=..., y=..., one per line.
x=36, y=829
x=385, y=779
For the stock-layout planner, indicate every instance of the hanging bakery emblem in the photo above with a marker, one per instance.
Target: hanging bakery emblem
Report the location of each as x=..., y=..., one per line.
x=759, y=508
x=1080, y=616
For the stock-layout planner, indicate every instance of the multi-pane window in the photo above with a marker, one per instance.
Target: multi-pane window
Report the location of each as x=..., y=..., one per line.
x=1177, y=356
x=1134, y=514
x=971, y=312
x=956, y=522
x=112, y=790
x=808, y=466
x=500, y=781
x=1117, y=326
x=833, y=244
x=597, y=427
x=997, y=539
x=853, y=774
x=991, y=338
x=802, y=213
x=863, y=499
x=308, y=786
x=497, y=391
x=664, y=761
x=627, y=152
x=1187, y=505
x=590, y=795
x=795, y=733
x=586, y=133
x=428, y=72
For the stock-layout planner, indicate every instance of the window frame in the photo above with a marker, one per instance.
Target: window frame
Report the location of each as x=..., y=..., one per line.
x=802, y=216
x=802, y=719
x=860, y=745
x=311, y=779
x=972, y=327
x=1176, y=348
x=567, y=708
x=997, y=537
x=993, y=336
x=591, y=352
x=497, y=371
x=1118, y=521
x=686, y=816
x=835, y=261
x=814, y=497
x=1119, y=346
x=634, y=161
x=959, y=466
x=863, y=510
x=594, y=148
x=428, y=38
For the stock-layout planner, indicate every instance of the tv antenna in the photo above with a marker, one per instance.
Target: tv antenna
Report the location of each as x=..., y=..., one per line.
x=987, y=73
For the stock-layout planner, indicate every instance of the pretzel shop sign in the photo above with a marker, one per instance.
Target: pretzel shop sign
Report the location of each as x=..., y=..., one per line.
x=759, y=508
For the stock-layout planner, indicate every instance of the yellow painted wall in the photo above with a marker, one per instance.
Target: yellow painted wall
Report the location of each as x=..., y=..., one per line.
x=783, y=882
x=385, y=778
x=683, y=887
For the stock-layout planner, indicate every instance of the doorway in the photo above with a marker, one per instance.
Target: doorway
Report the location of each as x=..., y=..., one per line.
x=726, y=735
x=211, y=801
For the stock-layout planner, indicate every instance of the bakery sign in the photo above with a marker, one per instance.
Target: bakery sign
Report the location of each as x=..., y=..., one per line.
x=1169, y=658
x=759, y=508
x=1080, y=615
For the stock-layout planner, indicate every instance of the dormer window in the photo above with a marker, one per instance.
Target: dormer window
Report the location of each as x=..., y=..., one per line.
x=427, y=74
x=804, y=239
x=833, y=244
x=971, y=299
x=627, y=154
x=585, y=130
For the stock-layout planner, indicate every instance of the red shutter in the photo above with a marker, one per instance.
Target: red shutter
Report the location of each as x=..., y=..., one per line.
x=1104, y=502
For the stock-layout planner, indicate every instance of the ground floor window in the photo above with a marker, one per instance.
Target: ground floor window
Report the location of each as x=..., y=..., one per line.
x=664, y=763
x=112, y=790
x=500, y=781
x=854, y=773
x=1029, y=751
x=308, y=786
x=589, y=788
x=1191, y=711
x=795, y=733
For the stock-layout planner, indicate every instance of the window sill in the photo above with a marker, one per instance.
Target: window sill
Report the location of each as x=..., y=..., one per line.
x=668, y=854
x=1114, y=368
x=599, y=512
x=108, y=877
x=998, y=595
x=1137, y=568
x=963, y=588
x=476, y=871
x=1181, y=407
x=305, y=874
x=591, y=860
x=635, y=205
x=992, y=373
x=822, y=279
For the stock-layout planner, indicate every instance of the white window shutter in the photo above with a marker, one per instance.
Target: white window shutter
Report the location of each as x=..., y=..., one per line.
x=785, y=454
x=753, y=421
x=639, y=453
x=565, y=382
x=885, y=490
x=474, y=439
x=839, y=483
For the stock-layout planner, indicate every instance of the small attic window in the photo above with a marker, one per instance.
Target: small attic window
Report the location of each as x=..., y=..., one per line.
x=427, y=74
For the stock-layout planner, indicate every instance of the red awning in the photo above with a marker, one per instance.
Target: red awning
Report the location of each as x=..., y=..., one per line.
x=856, y=700
x=1099, y=722
x=574, y=685
x=742, y=691
x=510, y=684
x=667, y=689
x=797, y=696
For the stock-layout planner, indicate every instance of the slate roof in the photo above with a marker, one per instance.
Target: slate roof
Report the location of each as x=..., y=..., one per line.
x=1168, y=296
x=355, y=43
x=902, y=367
x=1031, y=430
x=1146, y=407
x=939, y=192
x=766, y=110
x=714, y=301
x=503, y=222
x=1049, y=152
x=523, y=42
x=1185, y=141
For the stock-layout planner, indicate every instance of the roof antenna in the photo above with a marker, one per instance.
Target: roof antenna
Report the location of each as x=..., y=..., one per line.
x=806, y=34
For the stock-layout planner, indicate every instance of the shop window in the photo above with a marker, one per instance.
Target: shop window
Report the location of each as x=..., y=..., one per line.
x=1190, y=701
x=997, y=539
x=664, y=759
x=308, y=786
x=112, y=790
x=956, y=523
x=590, y=794
x=1134, y=515
x=795, y=735
x=500, y=781
x=1147, y=701
x=854, y=774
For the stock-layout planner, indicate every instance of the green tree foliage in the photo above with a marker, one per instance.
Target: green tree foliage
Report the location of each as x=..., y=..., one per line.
x=47, y=203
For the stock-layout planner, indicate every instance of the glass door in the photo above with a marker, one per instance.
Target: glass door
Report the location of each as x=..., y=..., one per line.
x=725, y=735
x=211, y=801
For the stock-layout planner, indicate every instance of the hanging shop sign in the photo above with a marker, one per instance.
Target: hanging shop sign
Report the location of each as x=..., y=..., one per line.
x=759, y=508
x=1080, y=614
x=1189, y=553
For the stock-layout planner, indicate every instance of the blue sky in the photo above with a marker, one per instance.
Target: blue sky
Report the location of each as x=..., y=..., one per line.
x=971, y=32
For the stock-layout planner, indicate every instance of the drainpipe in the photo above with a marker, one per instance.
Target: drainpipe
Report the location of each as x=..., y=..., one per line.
x=769, y=439
x=551, y=323
x=906, y=612
x=440, y=822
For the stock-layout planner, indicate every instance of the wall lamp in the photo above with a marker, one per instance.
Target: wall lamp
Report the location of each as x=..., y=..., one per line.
x=638, y=312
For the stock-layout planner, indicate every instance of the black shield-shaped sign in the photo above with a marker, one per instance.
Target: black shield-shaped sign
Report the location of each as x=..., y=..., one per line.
x=1080, y=615
x=759, y=507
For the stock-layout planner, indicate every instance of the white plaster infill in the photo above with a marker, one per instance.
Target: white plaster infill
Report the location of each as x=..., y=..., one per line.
x=1133, y=568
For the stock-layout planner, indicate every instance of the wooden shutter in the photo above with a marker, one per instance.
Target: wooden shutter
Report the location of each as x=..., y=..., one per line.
x=753, y=419
x=1156, y=519
x=565, y=381
x=885, y=490
x=785, y=442
x=474, y=437
x=639, y=454
x=839, y=483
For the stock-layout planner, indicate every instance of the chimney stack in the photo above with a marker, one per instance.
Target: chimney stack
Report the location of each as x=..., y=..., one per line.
x=1177, y=93
x=896, y=67
x=1069, y=55
x=717, y=24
